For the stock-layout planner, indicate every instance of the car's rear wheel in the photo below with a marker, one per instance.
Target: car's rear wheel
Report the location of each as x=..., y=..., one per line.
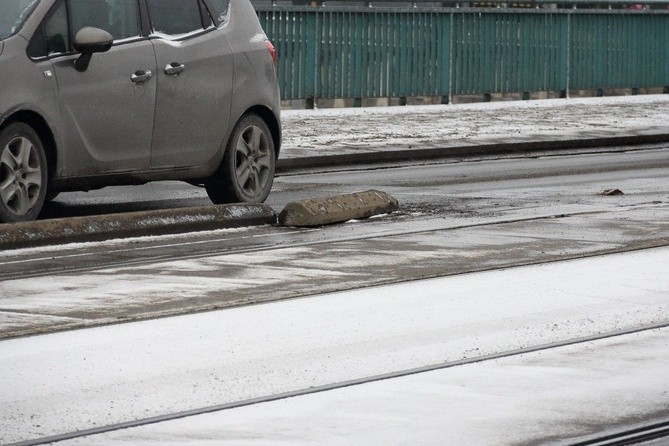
x=247, y=171
x=23, y=173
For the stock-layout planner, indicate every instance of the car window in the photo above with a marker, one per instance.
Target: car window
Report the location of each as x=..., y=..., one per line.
x=120, y=18
x=220, y=8
x=175, y=17
x=52, y=37
x=55, y=32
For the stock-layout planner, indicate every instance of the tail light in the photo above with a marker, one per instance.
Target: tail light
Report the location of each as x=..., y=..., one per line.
x=272, y=51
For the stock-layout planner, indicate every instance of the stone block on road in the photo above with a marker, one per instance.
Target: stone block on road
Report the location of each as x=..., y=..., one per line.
x=337, y=209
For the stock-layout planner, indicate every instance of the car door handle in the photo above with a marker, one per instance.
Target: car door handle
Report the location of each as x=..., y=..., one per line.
x=174, y=69
x=141, y=76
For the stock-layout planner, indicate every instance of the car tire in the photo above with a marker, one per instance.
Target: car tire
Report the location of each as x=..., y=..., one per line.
x=246, y=173
x=23, y=173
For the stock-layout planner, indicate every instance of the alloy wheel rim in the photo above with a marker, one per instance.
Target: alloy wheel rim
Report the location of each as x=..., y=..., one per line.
x=20, y=175
x=253, y=161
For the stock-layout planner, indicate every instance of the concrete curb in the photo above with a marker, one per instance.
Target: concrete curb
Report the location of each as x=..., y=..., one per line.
x=337, y=209
x=135, y=224
x=426, y=153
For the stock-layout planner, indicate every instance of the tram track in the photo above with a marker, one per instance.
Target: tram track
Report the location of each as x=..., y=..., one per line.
x=629, y=436
x=126, y=257
x=634, y=435
x=101, y=256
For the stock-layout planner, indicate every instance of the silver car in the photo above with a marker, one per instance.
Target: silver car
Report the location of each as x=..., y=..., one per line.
x=107, y=92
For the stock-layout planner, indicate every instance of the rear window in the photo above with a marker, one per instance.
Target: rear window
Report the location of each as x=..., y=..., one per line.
x=175, y=17
x=220, y=8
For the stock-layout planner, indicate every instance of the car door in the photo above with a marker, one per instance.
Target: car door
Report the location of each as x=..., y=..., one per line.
x=195, y=82
x=108, y=109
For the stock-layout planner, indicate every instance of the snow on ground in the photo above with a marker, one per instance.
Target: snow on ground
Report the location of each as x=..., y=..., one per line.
x=350, y=130
x=79, y=379
x=551, y=396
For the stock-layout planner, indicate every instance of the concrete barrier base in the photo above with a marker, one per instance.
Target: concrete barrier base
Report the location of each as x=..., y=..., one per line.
x=133, y=224
x=337, y=209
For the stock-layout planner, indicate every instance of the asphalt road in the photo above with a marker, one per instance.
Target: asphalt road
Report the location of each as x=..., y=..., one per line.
x=453, y=218
x=435, y=177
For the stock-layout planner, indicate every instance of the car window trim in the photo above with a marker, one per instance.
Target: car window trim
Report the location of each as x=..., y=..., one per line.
x=145, y=20
x=181, y=37
x=120, y=42
x=204, y=14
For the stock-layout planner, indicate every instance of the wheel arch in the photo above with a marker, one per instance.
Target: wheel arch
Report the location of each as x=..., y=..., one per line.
x=272, y=122
x=41, y=127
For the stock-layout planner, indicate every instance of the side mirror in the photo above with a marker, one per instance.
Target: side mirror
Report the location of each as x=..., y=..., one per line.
x=90, y=40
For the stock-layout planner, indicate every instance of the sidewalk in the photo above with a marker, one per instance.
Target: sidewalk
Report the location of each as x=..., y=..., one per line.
x=350, y=135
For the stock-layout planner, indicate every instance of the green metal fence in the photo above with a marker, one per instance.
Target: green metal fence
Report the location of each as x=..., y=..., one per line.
x=336, y=52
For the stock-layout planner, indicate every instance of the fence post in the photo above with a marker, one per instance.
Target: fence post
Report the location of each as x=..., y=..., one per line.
x=568, y=44
x=311, y=60
x=450, y=57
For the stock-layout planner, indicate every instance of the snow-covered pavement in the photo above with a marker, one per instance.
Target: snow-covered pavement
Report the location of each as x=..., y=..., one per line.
x=551, y=397
x=381, y=129
x=81, y=379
